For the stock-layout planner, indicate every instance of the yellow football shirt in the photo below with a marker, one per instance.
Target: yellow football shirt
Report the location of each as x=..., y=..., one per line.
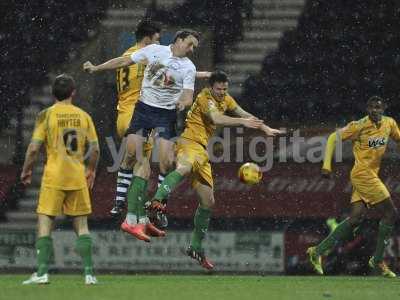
x=369, y=142
x=129, y=83
x=198, y=126
x=67, y=131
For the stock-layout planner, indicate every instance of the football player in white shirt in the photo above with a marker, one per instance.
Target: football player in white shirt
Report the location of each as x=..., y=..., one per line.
x=168, y=86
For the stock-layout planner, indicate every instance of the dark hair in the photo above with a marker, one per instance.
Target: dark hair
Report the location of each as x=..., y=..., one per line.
x=146, y=28
x=63, y=87
x=184, y=33
x=218, y=76
x=375, y=99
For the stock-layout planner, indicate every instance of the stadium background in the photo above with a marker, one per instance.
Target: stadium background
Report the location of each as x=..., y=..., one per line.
x=302, y=64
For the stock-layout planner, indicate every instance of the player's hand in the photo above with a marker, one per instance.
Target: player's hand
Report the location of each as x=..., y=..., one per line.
x=252, y=122
x=89, y=67
x=326, y=173
x=180, y=106
x=26, y=177
x=90, y=176
x=272, y=131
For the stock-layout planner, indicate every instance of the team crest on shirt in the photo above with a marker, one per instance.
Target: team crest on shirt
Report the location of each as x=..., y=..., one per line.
x=376, y=142
x=158, y=74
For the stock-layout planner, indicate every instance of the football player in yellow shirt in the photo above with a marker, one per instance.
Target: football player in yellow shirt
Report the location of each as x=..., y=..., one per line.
x=207, y=112
x=370, y=137
x=67, y=132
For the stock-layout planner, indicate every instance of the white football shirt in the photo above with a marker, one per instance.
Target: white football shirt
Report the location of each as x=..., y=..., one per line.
x=165, y=76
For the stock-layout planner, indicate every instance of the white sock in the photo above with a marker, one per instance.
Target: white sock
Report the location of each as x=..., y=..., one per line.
x=144, y=220
x=131, y=219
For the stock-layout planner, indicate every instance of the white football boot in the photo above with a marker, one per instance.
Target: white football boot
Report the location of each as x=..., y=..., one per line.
x=90, y=279
x=35, y=279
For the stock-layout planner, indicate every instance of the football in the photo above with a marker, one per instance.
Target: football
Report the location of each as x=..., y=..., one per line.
x=250, y=173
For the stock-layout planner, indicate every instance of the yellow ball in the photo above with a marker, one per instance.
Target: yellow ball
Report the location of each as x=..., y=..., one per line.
x=250, y=173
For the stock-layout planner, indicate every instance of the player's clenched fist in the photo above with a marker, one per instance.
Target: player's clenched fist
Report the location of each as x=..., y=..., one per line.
x=89, y=67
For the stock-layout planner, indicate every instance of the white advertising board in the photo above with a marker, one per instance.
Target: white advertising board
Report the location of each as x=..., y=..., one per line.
x=114, y=250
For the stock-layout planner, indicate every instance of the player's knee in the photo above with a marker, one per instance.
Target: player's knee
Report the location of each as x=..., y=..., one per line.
x=129, y=158
x=390, y=216
x=166, y=165
x=355, y=220
x=211, y=202
x=81, y=225
x=184, y=169
x=45, y=224
x=142, y=169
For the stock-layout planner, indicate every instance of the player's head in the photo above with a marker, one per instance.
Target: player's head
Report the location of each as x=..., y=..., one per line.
x=148, y=32
x=219, y=83
x=375, y=108
x=185, y=41
x=63, y=87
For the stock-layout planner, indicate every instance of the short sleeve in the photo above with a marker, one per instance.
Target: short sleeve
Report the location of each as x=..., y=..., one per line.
x=231, y=103
x=394, y=131
x=142, y=54
x=189, y=78
x=91, y=133
x=40, y=131
x=351, y=131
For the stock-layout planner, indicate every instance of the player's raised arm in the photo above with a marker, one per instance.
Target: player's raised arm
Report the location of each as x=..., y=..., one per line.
x=140, y=56
x=115, y=63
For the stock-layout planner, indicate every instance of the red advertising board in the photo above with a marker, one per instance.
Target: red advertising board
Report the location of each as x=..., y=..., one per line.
x=288, y=190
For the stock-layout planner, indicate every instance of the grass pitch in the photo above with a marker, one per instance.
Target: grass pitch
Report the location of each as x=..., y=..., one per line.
x=165, y=287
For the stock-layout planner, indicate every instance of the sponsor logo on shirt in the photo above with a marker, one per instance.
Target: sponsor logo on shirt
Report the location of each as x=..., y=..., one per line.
x=376, y=142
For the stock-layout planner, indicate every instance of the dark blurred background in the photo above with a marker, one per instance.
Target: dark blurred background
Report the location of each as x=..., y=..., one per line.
x=303, y=64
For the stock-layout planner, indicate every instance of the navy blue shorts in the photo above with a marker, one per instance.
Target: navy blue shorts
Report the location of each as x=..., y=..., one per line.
x=146, y=118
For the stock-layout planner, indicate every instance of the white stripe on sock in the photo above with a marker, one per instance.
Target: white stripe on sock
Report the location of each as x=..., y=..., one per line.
x=122, y=189
x=125, y=175
x=124, y=181
x=131, y=219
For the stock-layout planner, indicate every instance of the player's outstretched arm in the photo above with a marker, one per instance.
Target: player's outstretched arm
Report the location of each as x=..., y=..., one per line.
x=31, y=156
x=112, y=64
x=221, y=120
x=240, y=112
